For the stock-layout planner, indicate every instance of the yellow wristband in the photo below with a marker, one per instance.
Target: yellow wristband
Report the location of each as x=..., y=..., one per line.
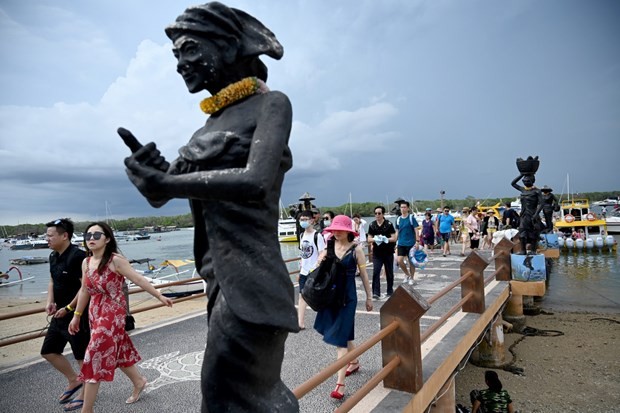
x=362, y=266
x=68, y=307
x=77, y=313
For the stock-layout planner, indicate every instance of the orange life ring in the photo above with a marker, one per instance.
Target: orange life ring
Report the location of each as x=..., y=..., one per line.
x=591, y=216
x=569, y=218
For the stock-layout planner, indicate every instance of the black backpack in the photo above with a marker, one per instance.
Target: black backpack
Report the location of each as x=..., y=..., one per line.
x=324, y=286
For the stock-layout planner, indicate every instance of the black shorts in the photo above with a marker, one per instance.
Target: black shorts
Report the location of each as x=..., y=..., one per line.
x=302, y=281
x=403, y=251
x=58, y=336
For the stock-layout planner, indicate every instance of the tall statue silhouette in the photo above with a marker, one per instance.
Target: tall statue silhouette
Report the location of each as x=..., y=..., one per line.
x=531, y=204
x=231, y=171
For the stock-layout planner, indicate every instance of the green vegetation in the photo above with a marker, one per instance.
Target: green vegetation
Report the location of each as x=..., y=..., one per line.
x=365, y=209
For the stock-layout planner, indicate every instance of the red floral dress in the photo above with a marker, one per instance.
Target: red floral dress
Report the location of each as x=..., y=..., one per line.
x=110, y=346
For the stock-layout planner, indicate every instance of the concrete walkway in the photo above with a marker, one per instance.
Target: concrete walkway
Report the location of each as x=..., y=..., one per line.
x=172, y=355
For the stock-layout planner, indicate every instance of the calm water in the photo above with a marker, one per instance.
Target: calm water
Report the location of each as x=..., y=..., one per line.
x=578, y=282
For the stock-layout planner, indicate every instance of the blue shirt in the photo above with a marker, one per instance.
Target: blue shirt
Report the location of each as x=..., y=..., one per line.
x=406, y=230
x=445, y=223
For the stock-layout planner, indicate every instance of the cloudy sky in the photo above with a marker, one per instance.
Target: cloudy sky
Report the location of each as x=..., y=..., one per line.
x=390, y=98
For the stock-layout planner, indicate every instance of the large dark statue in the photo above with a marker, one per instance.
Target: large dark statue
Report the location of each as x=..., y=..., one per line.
x=531, y=204
x=550, y=204
x=231, y=171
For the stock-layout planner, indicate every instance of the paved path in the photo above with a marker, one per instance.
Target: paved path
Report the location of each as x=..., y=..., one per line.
x=172, y=354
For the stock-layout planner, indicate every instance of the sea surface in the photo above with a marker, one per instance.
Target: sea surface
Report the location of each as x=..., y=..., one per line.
x=577, y=281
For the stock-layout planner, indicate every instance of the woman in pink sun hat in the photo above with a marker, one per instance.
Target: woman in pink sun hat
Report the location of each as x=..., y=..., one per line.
x=337, y=325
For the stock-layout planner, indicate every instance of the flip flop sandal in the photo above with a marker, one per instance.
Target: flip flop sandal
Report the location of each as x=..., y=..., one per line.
x=66, y=396
x=77, y=404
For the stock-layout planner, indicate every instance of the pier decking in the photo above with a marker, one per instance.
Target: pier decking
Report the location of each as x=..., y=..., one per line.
x=172, y=355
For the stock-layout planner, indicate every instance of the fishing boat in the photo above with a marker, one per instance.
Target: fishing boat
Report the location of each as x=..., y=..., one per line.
x=5, y=278
x=29, y=260
x=580, y=229
x=169, y=271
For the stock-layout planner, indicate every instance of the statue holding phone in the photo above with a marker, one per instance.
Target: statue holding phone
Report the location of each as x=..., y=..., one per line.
x=231, y=171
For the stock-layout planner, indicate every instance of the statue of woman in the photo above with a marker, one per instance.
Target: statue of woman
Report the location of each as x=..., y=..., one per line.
x=231, y=171
x=531, y=205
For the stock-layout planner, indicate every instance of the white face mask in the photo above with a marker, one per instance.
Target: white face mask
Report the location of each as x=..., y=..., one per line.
x=304, y=224
x=327, y=223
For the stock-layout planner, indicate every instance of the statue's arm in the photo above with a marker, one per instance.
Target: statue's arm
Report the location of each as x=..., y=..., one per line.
x=269, y=141
x=515, y=185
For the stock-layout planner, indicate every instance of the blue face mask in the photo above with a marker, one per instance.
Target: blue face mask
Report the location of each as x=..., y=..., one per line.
x=327, y=223
x=304, y=224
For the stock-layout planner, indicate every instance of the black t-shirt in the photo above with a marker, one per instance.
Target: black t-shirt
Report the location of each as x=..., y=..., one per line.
x=66, y=272
x=386, y=229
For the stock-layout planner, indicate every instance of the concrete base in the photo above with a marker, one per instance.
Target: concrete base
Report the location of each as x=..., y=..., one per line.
x=517, y=321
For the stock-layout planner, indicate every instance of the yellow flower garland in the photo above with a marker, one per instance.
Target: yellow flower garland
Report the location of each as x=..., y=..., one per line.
x=232, y=93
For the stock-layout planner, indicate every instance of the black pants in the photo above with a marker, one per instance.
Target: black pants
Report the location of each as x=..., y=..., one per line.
x=379, y=260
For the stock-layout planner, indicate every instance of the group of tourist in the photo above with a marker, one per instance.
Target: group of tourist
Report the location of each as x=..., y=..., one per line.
x=88, y=307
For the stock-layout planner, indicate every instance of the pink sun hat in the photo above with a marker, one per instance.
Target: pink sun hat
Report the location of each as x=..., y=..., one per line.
x=341, y=223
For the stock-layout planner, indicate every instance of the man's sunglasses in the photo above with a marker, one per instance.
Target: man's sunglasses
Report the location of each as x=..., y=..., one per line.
x=94, y=235
x=378, y=213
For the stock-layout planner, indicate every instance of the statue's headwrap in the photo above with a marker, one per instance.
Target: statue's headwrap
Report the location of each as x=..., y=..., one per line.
x=217, y=20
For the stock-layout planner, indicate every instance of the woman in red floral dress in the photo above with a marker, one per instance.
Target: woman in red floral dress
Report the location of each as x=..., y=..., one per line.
x=104, y=272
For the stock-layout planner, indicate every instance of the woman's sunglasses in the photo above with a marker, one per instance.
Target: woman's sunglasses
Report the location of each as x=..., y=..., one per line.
x=94, y=235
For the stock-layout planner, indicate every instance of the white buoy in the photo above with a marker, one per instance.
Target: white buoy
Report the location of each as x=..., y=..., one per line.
x=561, y=242
x=589, y=243
x=609, y=240
x=570, y=243
x=579, y=244
x=599, y=242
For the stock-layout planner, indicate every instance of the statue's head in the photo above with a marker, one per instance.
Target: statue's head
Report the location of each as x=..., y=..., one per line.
x=528, y=180
x=212, y=38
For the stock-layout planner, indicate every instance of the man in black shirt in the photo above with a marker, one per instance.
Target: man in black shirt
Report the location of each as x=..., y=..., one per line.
x=382, y=237
x=65, y=282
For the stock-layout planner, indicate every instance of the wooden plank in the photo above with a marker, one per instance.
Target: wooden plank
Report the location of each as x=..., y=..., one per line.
x=536, y=288
x=425, y=396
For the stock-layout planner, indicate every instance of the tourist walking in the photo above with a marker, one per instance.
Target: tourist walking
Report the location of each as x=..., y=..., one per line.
x=463, y=231
x=473, y=228
x=382, y=238
x=427, y=237
x=445, y=225
x=510, y=218
x=310, y=246
x=406, y=226
x=62, y=297
x=337, y=325
x=489, y=226
x=104, y=272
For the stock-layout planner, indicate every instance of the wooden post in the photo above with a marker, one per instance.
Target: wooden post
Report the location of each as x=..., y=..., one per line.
x=475, y=283
x=514, y=309
x=406, y=306
x=491, y=351
x=501, y=253
x=446, y=403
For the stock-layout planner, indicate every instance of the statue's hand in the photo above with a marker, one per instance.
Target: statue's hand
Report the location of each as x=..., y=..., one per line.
x=147, y=155
x=150, y=181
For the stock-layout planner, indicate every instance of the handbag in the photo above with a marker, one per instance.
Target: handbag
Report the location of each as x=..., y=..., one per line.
x=324, y=286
